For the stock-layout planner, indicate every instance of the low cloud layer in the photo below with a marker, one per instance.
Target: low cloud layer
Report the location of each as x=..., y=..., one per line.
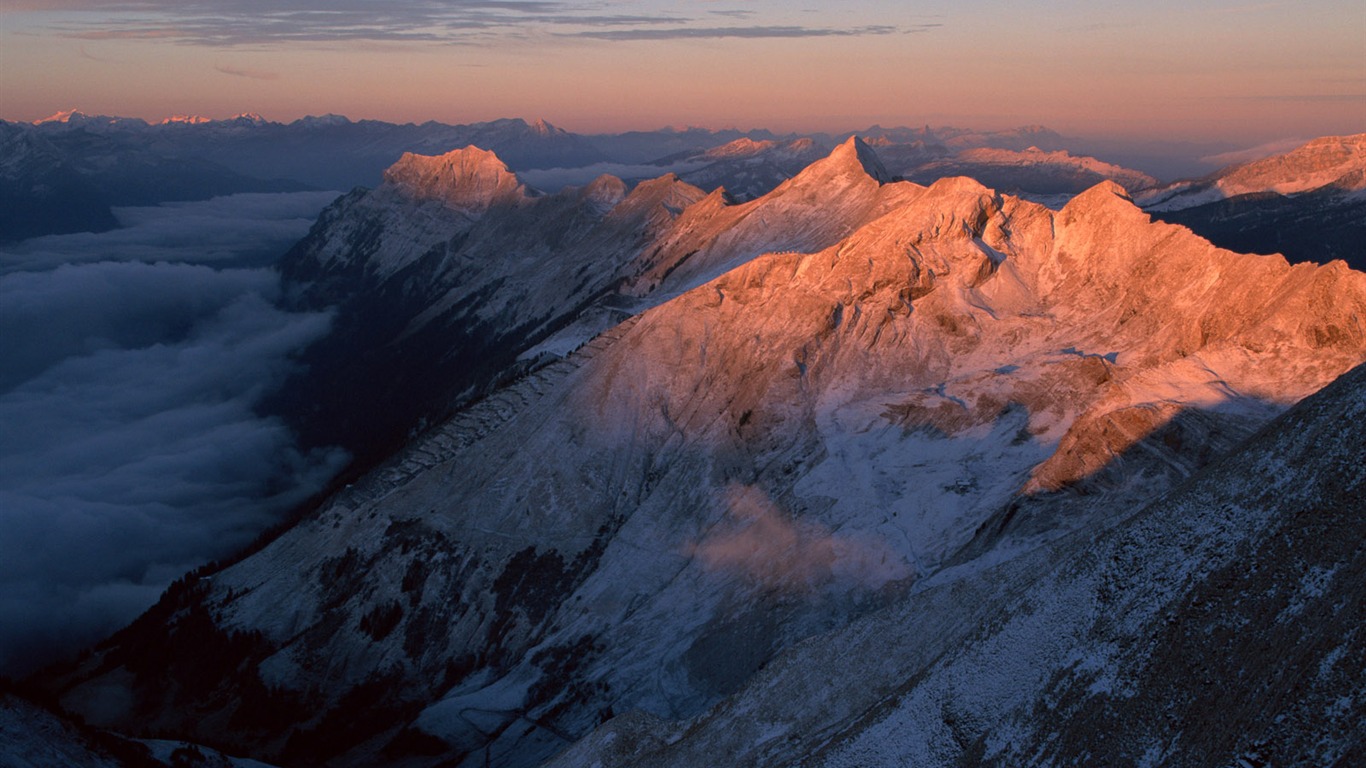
x=763, y=545
x=248, y=230
x=131, y=450
x=750, y=32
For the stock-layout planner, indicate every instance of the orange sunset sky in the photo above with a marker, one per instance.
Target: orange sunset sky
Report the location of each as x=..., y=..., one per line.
x=1229, y=70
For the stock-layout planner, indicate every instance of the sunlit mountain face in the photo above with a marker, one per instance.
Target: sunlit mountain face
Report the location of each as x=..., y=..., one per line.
x=915, y=446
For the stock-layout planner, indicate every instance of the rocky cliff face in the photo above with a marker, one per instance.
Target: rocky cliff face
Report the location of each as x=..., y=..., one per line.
x=852, y=419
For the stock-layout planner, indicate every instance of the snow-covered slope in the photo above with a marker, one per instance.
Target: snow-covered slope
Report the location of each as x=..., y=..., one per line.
x=1220, y=625
x=843, y=398
x=31, y=737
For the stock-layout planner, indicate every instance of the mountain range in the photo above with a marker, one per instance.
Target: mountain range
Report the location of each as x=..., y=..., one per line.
x=855, y=471
x=66, y=173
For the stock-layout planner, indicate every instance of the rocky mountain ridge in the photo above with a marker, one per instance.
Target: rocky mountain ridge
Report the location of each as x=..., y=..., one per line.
x=848, y=396
x=187, y=157
x=445, y=297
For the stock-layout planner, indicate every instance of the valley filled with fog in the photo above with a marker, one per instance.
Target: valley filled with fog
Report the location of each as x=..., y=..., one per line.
x=133, y=364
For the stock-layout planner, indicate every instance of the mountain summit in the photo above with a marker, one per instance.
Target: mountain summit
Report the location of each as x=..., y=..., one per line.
x=470, y=180
x=853, y=157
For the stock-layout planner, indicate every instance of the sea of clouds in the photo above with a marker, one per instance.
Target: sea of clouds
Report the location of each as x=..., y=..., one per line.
x=131, y=451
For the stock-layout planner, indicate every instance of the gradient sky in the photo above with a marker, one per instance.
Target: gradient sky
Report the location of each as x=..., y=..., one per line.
x=1241, y=71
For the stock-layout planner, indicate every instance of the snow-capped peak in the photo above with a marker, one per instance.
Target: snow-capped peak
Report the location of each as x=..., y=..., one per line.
x=1108, y=196
x=185, y=120
x=74, y=118
x=856, y=152
x=64, y=116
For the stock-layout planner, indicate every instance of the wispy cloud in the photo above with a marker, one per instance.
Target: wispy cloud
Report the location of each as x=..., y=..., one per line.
x=1304, y=97
x=256, y=22
x=734, y=13
x=763, y=545
x=1255, y=153
x=754, y=32
x=251, y=74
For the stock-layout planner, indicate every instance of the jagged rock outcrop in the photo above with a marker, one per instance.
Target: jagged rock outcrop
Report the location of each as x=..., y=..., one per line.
x=838, y=407
x=824, y=203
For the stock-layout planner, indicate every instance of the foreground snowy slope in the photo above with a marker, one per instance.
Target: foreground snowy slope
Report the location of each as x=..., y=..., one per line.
x=1220, y=625
x=843, y=398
